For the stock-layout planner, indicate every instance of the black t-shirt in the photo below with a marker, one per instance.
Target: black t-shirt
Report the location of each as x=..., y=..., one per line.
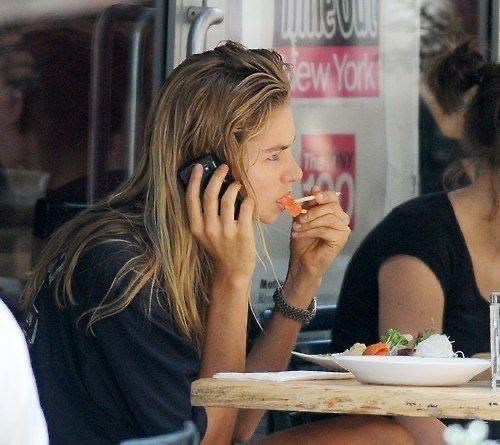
x=426, y=228
x=131, y=378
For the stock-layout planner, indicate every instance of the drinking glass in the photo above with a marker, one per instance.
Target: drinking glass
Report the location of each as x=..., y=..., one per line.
x=495, y=338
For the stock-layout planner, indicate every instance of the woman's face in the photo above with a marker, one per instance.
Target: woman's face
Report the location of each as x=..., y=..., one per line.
x=272, y=169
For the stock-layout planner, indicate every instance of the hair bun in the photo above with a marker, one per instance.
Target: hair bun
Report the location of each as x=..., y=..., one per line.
x=454, y=73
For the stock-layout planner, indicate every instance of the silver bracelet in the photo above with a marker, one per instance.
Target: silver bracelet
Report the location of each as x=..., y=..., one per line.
x=303, y=316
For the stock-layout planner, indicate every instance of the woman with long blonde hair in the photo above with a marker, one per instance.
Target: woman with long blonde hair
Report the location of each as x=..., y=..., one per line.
x=149, y=289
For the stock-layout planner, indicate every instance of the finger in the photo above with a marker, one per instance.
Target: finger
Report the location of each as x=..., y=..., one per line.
x=193, y=201
x=211, y=196
x=245, y=218
x=333, y=237
x=318, y=211
x=321, y=198
x=315, y=189
x=227, y=204
x=309, y=204
x=327, y=197
x=329, y=220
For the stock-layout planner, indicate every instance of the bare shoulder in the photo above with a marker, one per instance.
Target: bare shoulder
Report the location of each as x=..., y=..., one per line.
x=409, y=273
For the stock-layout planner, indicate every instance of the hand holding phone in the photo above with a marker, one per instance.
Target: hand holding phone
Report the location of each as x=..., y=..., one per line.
x=209, y=164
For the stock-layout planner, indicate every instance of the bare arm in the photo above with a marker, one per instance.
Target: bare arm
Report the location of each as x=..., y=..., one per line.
x=223, y=352
x=321, y=236
x=231, y=245
x=271, y=352
x=411, y=298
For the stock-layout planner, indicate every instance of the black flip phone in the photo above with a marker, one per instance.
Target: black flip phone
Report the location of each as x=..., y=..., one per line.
x=209, y=163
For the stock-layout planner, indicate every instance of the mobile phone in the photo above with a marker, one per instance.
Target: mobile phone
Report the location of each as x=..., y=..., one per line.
x=209, y=162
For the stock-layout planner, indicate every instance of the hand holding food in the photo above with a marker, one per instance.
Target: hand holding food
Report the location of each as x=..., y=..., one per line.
x=319, y=234
x=293, y=206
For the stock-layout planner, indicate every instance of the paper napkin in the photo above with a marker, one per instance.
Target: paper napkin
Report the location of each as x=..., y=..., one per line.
x=284, y=376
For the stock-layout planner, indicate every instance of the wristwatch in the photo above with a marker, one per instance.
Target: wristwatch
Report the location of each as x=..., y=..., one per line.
x=303, y=316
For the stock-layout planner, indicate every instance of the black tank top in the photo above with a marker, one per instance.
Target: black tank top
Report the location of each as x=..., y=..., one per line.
x=426, y=228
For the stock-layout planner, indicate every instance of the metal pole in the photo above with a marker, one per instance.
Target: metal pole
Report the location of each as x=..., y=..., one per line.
x=204, y=19
x=495, y=30
x=100, y=97
x=135, y=78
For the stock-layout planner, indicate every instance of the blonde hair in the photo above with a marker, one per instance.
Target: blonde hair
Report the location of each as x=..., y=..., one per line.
x=212, y=102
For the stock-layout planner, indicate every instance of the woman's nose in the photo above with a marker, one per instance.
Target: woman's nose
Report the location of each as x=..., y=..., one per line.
x=293, y=173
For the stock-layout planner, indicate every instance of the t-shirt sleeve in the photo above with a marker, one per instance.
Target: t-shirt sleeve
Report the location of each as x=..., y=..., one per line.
x=153, y=364
x=422, y=235
x=356, y=314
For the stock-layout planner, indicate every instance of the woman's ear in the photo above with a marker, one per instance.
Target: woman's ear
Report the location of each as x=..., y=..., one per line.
x=450, y=124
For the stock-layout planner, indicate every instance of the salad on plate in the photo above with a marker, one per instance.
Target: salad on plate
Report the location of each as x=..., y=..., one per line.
x=394, y=343
x=399, y=359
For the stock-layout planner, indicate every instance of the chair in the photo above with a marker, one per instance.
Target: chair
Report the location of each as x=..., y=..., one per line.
x=307, y=343
x=51, y=214
x=187, y=436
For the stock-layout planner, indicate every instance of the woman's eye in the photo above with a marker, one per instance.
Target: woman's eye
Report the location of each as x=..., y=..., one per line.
x=274, y=157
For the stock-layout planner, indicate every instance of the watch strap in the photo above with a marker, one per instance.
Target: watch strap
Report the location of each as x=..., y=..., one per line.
x=303, y=316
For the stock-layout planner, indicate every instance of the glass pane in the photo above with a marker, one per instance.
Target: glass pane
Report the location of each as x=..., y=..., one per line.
x=45, y=78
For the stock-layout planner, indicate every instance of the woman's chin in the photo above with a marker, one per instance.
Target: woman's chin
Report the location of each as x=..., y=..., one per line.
x=269, y=218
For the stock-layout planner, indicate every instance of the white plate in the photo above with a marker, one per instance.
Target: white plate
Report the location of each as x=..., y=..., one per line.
x=326, y=361
x=417, y=371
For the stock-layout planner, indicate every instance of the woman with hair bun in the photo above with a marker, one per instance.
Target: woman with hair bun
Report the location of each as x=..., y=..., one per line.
x=433, y=261
x=149, y=289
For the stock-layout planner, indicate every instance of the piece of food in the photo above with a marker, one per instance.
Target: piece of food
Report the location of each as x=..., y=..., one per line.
x=405, y=352
x=396, y=340
x=423, y=336
x=377, y=349
x=355, y=349
x=436, y=346
x=293, y=208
